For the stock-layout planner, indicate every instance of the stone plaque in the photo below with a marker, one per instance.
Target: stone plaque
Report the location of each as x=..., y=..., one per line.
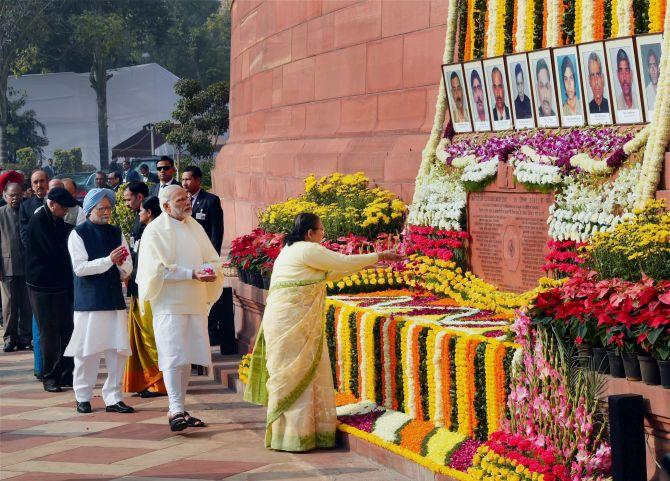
x=509, y=231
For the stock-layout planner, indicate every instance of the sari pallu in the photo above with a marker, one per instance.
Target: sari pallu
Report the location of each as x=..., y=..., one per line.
x=290, y=369
x=142, y=367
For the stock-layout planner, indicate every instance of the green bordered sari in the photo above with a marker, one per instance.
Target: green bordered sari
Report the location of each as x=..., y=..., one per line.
x=290, y=369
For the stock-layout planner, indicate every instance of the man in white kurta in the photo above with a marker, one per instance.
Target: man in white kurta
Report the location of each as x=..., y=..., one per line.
x=179, y=272
x=100, y=261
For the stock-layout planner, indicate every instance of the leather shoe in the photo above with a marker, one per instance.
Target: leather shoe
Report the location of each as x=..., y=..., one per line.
x=52, y=388
x=119, y=407
x=9, y=346
x=84, y=407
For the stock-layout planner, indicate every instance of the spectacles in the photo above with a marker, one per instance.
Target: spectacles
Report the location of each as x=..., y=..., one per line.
x=103, y=209
x=163, y=167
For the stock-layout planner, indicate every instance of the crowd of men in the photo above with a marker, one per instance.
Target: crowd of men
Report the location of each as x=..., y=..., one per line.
x=63, y=266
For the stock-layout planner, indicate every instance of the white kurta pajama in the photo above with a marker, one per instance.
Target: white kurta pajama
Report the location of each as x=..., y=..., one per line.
x=169, y=253
x=97, y=332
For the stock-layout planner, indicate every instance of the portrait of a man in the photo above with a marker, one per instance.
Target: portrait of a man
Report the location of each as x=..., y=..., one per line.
x=459, y=112
x=457, y=97
x=596, y=79
x=625, y=98
x=649, y=54
x=545, y=89
x=624, y=79
x=478, y=97
x=476, y=90
x=522, y=105
x=651, y=65
x=500, y=110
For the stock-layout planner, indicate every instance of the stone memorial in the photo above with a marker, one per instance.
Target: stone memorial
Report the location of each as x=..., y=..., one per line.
x=509, y=232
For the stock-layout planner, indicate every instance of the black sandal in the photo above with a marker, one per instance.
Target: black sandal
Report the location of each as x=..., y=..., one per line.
x=194, y=422
x=178, y=422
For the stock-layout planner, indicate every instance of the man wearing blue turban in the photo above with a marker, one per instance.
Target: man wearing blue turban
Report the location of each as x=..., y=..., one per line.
x=100, y=261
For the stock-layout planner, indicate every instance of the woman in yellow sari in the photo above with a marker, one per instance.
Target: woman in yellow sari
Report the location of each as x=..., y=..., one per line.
x=142, y=374
x=290, y=367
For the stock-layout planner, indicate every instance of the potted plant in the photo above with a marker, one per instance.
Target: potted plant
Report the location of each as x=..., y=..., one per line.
x=614, y=343
x=266, y=272
x=600, y=358
x=648, y=340
x=631, y=363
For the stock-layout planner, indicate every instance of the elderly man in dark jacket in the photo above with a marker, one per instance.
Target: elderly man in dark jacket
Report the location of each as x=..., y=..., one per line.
x=15, y=302
x=49, y=279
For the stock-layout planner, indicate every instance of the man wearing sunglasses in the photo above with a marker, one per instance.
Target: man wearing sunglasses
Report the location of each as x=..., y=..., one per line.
x=166, y=172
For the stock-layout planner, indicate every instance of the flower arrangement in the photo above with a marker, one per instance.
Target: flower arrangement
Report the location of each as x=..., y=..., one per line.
x=585, y=207
x=447, y=279
x=346, y=205
x=476, y=177
x=409, y=364
x=538, y=177
x=555, y=411
x=634, y=248
x=438, y=243
x=439, y=201
x=564, y=258
x=367, y=280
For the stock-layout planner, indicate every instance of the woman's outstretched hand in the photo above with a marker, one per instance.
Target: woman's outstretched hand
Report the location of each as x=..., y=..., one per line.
x=390, y=256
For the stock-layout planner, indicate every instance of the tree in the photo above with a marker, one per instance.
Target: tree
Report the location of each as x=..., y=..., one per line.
x=201, y=116
x=22, y=24
x=23, y=128
x=114, y=29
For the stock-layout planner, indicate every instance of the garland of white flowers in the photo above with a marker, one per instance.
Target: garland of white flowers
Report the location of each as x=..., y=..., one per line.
x=492, y=27
x=587, y=20
x=522, y=27
x=553, y=23
x=658, y=131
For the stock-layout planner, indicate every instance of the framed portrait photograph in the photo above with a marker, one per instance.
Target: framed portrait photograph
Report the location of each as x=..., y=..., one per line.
x=498, y=93
x=649, y=51
x=570, y=94
x=519, y=82
x=595, y=83
x=479, y=104
x=543, y=83
x=623, y=76
x=457, y=97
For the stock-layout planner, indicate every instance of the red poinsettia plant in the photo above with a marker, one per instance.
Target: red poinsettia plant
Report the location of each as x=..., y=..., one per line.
x=564, y=258
x=256, y=251
x=620, y=315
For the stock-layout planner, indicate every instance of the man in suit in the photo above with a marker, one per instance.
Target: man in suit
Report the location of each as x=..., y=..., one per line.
x=500, y=110
x=206, y=209
x=49, y=169
x=134, y=195
x=39, y=182
x=148, y=176
x=16, y=311
x=114, y=180
x=166, y=172
x=128, y=173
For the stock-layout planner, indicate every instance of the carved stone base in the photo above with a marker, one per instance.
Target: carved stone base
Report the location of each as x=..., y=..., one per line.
x=249, y=302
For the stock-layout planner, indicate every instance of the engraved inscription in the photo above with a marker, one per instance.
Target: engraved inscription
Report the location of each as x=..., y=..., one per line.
x=509, y=237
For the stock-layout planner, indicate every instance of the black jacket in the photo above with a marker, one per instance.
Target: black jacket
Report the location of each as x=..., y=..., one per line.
x=207, y=211
x=48, y=266
x=155, y=188
x=28, y=208
x=135, y=236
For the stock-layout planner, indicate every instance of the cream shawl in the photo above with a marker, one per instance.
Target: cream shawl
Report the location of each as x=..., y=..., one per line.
x=158, y=251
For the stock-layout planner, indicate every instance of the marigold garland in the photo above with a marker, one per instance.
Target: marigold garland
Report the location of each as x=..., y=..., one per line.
x=656, y=15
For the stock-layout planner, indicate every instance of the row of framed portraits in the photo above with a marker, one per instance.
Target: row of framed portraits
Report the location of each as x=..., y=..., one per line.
x=596, y=83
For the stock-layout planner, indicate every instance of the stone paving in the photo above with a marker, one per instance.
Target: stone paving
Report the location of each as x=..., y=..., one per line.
x=42, y=437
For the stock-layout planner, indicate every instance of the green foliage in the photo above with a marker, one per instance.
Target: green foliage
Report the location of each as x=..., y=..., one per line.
x=23, y=129
x=68, y=161
x=26, y=160
x=101, y=34
x=122, y=215
x=201, y=116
